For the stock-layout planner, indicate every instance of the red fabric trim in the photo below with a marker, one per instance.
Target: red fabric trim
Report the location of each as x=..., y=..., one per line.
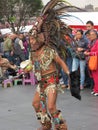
x=82, y=27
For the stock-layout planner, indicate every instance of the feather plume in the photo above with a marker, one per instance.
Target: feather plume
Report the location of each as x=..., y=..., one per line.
x=51, y=23
x=52, y=3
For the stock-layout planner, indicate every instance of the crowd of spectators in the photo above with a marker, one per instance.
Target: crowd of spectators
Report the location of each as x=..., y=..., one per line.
x=15, y=48
x=78, y=52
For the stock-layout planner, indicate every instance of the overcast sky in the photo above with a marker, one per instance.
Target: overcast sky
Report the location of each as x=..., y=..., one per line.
x=80, y=3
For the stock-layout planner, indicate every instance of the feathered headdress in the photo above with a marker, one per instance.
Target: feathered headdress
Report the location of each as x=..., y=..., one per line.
x=49, y=27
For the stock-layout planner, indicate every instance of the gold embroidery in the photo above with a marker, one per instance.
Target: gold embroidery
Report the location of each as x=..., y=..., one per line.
x=45, y=58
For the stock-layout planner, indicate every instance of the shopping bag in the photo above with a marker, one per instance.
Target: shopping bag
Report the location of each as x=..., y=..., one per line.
x=93, y=62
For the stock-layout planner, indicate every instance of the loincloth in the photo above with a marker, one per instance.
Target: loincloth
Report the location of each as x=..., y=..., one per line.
x=49, y=82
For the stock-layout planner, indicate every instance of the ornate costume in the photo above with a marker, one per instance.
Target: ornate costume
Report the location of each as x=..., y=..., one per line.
x=45, y=40
x=45, y=83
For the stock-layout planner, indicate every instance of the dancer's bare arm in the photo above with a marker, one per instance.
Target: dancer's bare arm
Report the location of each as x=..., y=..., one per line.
x=62, y=64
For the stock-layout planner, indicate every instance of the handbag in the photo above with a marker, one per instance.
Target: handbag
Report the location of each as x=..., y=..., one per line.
x=93, y=62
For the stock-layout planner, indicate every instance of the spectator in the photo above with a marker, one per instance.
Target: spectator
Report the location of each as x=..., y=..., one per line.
x=18, y=54
x=4, y=65
x=87, y=35
x=68, y=61
x=94, y=51
x=7, y=47
x=25, y=45
x=79, y=58
x=88, y=80
x=89, y=25
x=1, y=43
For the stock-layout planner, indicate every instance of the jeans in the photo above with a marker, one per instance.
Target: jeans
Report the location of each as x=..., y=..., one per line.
x=81, y=64
x=8, y=56
x=16, y=60
x=63, y=74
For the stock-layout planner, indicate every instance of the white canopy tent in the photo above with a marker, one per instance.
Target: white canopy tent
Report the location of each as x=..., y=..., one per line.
x=5, y=31
x=25, y=29
x=80, y=18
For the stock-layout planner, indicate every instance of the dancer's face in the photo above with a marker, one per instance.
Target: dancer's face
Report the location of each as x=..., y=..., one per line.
x=34, y=44
x=32, y=40
x=36, y=41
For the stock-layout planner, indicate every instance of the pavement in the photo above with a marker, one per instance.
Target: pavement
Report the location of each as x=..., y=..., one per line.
x=16, y=112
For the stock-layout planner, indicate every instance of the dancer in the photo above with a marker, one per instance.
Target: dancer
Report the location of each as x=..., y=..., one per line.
x=47, y=53
x=44, y=58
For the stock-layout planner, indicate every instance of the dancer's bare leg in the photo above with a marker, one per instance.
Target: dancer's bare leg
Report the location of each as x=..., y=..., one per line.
x=36, y=102
x=58, y=120
x=41, y=113
x=52, y=97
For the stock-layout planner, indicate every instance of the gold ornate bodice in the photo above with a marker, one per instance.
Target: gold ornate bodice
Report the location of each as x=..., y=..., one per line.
x=43, y=61
x=45, y=58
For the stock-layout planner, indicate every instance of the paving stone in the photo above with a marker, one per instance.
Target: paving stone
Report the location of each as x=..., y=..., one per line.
x=16, y=112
